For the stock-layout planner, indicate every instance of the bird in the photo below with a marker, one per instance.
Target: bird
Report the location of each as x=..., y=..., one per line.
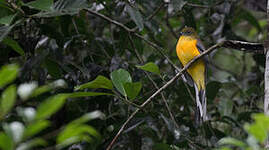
x=188, y=47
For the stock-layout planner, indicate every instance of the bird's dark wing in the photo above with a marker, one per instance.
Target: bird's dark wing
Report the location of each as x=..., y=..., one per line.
x=200, y=46
x=201, y=49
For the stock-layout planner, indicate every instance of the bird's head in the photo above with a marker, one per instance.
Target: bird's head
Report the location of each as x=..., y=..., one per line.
x=188, y=31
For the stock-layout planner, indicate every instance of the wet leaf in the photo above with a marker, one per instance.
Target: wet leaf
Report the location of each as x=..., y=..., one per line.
x=8, y=73
x=99, y=82
x=45, y=5
x=260, y=128
x=151, y=67
x=8, y=99
x=6, y=142
x=54, y=103
x=7, y=20
x=135, y=16
x=119, y=78
x=14, y=45
x=132, y=89
x=231, y=141
x=35, y=127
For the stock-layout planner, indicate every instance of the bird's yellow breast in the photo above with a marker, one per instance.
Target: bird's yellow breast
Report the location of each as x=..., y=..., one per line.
x=186, y=51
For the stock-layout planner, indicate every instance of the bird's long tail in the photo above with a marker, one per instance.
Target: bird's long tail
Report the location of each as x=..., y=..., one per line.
x=200, y=114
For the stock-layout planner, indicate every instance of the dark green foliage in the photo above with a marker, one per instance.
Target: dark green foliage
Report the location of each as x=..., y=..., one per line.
x=70, y=78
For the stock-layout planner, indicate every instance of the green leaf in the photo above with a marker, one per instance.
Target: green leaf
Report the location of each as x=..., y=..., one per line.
x=77, y=131
x=40, y=90
x=8, y=99
x=64, y=7
x=6, y=142
x=14, y=45
x=60, y=83
x=132, y=89
x=4, y=8
x=151, y=67
x=53, y=68
x=4, y=30
x=8, y=73
x=50, y=106
x=70, y=5
x=135, y=16
x=45, y=5
x=231, y=141
x=260, y=128
x=7, y=20
x=225, y=107
x=99, y=82
x=54, y=103
x=178, y=4
x=119, y=78
x=85, y=94
x=35, y=128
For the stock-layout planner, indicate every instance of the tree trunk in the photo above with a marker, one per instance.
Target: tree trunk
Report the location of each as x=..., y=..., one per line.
x=266, y=73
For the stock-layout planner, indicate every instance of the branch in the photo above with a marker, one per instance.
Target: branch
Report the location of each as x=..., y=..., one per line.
x=155, y=12
x=237, y=45
x=266, y=74
x=151, y=16
x=160, y=90
x=154, y=83
x=244, y=46
x=232, y=44
x=108, y=19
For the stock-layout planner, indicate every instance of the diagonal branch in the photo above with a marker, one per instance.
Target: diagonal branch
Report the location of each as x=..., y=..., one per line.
x=237, y=45
x=154, y=83
x=160, y=90
x=232, y=44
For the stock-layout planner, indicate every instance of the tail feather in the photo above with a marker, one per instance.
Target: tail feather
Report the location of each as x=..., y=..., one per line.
x=200, y=105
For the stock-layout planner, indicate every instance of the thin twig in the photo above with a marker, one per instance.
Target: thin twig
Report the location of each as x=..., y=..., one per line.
x=159, y=49
x=155, y=12
x=154, y=83
x=197, y=5
x=237, y=45
x=176, y=37
x=108, y=19
x=75, y=25
x=160, y=90
x=16, y=7
x=151, y=16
